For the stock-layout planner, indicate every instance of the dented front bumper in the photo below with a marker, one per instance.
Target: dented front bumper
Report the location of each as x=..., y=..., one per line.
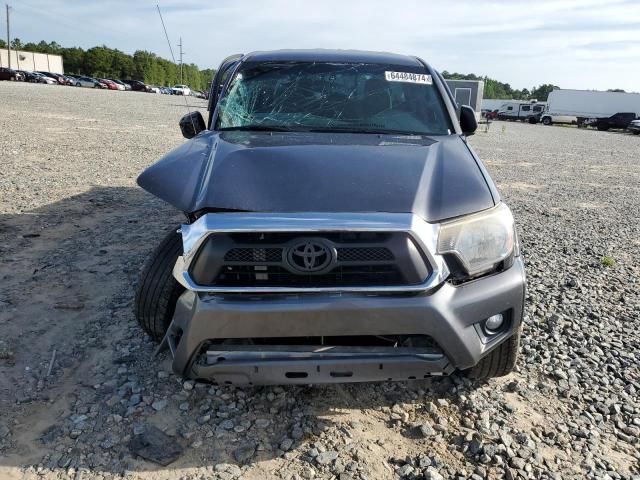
x=450, y=315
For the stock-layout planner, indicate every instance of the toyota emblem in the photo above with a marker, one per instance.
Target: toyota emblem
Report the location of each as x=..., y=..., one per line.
x=309, y=256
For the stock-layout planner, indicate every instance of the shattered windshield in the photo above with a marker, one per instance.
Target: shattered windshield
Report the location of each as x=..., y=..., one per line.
x=349, y=97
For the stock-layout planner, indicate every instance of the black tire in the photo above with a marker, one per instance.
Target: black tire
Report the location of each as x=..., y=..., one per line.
x=636, y=132
x=603, y=127
x=157, y=291
x=546, y=121
x=78, y=84
x=500, y=362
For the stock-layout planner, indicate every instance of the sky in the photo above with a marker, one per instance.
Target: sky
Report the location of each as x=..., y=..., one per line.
x=583, y=44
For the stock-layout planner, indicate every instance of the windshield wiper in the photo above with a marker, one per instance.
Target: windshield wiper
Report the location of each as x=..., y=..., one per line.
x=257, y=128
x=378, y=131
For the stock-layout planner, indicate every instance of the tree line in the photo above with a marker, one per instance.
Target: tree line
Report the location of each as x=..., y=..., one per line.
x=503, y=91
x=105, y=62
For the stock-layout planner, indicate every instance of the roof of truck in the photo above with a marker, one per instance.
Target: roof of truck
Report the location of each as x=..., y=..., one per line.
x=340, y=56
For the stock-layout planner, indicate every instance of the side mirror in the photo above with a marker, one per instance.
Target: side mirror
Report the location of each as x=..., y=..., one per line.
x=468, y=121
x=192, y=124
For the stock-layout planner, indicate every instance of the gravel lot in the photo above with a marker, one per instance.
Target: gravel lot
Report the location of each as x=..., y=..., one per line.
x=79, y=388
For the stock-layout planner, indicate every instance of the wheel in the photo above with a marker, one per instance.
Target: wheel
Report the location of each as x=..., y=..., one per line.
x=500, y=362
x=603, y=127
x=546, y=121
x=78, y=84
x=157, y=291
x=636, y=132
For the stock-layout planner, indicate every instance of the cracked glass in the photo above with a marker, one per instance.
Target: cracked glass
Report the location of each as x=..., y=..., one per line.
x=332, y=97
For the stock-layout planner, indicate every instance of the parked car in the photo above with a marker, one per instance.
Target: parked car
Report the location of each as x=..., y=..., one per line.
x=166, y=90
x=374, y=236
x=10, y=74
x=634, y=127
x=89, y=82
x=181, y=90
x=137, y=85
x=55, y=76
x=153, y=89
x=44, y=79
x=618, y=121
x=31, y=77
x=69, y=80
x=111, y=85
x=120, y=85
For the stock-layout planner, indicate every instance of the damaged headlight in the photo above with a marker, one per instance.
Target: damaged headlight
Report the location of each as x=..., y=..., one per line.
x=480, y=241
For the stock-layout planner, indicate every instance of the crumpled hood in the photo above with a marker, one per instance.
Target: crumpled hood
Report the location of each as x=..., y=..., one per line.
x=433, y=177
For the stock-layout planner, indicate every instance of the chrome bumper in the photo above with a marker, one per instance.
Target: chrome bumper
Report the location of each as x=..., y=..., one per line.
x=424, y=234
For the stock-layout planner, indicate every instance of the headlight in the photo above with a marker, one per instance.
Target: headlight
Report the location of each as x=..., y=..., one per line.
x=480, y=241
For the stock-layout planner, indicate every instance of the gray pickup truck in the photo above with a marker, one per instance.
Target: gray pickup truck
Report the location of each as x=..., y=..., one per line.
x=339, y=228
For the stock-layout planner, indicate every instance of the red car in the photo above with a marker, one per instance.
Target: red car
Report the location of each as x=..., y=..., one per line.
x=111, y=85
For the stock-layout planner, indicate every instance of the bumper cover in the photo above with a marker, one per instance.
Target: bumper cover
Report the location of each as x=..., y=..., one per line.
x=451, y=315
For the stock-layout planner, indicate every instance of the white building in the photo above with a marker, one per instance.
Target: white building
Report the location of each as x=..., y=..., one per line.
x=21, y=60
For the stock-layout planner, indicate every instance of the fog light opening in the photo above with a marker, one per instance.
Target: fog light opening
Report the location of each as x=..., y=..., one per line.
x=493, y=323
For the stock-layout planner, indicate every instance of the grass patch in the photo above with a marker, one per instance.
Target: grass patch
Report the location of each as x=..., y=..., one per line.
x=607, y=261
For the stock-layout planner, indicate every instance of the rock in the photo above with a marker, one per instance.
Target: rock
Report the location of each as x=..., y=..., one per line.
x=426, y=430
x=156, y=446
x=286, y=444
x=159, y=405
x=262, y=423
x=405, y=470
x=432, y=474
x=327, y=457
x=244, y=452
x=4, y=431
x=475, y=447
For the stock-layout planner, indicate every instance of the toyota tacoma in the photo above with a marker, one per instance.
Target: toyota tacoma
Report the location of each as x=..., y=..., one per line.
x=339, y=228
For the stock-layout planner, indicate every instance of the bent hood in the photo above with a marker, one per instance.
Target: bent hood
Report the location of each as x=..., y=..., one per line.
x=433, y=177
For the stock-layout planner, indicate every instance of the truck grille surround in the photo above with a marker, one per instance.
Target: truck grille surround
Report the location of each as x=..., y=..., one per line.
x=309, y=259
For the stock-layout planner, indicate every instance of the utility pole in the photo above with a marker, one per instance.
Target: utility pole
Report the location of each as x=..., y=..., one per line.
x=181, y=52
x=8, y=38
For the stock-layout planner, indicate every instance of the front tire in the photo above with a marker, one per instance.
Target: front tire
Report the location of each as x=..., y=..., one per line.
x=500, y=362
x=546, y=121
x=157, y=291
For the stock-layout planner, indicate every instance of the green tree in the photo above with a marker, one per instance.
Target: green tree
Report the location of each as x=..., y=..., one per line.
x=73, y=59
x=98, y=61
x=3, y=44
x=542, y=92
x=16, y=44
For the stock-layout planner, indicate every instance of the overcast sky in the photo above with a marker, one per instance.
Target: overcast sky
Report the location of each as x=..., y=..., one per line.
x=590, y=44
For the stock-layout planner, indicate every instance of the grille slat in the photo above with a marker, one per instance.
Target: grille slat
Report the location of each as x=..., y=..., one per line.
x=364, y=254
x=276, y=276
x=251, y=255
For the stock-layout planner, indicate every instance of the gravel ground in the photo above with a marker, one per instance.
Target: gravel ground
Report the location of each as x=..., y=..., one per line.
x=80, y=391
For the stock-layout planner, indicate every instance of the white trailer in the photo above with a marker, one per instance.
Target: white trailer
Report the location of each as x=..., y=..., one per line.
x=491, y=104
x=576, y=106
x=520, y=110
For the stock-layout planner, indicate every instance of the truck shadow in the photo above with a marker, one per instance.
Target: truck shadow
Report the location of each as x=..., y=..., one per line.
x=78, y=380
